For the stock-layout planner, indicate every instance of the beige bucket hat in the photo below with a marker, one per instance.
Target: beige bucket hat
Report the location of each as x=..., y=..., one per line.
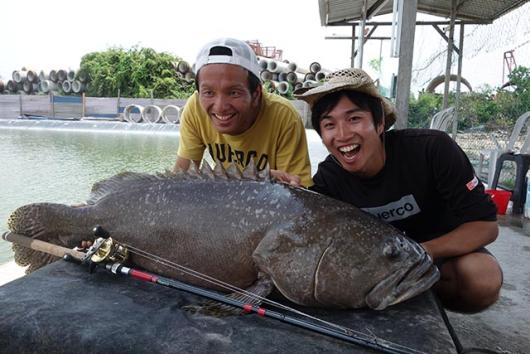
x=348, y=79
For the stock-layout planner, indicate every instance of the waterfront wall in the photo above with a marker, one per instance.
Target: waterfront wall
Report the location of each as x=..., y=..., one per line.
x=14, y=106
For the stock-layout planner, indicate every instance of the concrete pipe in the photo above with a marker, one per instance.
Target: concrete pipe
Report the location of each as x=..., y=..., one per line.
x=310, y=83
x=315, y=67
x=294, y=77
x=171, y=114
x=277, y=66
x=29, y=87
x=309, y=76
x=47, y=86
x=11, y=86
x=2, y=86
x=183, y=66
x=298, y=85
x=77, y=86
x=61, y=75
x=53, y=76
x=274, y=76
x=282, y=76
x=263, y=62
x=43, y=76
x=20, y=76
x=33, y=76
x=189, y=76
x=70, y=75
x=133, y=113
x=283, y=87
x=66, y=86
x=152, y=114
x=321, y=75
x=266, y=75
x=301, y=70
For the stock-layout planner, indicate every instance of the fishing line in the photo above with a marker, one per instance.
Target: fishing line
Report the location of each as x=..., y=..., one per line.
x=341, y=329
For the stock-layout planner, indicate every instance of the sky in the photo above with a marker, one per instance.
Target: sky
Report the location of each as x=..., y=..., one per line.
x=55, y=34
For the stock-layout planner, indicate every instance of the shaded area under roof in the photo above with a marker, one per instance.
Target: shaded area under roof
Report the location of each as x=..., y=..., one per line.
x=342, y=12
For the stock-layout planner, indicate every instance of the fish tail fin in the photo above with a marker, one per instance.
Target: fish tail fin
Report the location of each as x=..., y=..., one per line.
x=43, y=221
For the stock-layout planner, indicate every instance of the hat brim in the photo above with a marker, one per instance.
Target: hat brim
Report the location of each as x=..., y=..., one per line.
x=312, y=94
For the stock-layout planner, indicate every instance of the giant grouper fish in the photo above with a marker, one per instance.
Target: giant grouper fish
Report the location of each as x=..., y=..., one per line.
x=242, y=229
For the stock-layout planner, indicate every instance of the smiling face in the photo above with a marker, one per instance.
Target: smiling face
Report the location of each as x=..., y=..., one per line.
x=350, y=135
x=225, y=95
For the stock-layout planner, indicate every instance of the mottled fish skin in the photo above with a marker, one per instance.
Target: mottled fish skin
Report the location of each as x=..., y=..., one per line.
x=317, y=251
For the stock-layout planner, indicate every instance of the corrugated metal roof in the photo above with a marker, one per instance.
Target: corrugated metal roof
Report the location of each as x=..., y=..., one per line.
x=333, y=12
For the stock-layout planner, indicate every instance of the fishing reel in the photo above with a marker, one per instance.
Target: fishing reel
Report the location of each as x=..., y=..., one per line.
x=104, y=250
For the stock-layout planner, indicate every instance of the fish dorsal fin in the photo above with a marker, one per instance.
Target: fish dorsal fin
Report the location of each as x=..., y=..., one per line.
x=250, y=171
x=219, y=171
x=265, y=174
x=206, y=170
x=116, y=182
x=233, y=172
x=193, y=171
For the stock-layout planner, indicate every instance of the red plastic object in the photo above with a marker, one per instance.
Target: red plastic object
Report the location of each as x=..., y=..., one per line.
x=500, y=198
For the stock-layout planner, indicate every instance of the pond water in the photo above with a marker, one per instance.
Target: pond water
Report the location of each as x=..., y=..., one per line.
x=61, y=166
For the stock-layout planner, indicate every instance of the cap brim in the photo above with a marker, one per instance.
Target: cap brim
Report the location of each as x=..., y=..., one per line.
x=313, y=94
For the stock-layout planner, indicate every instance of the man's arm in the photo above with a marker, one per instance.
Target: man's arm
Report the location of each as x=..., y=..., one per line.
x=292, y=159
x=191, y=146
x=465, y=239
x=182, y=164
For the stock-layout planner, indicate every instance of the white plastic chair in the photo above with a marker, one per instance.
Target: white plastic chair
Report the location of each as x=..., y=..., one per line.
x=492, y=154
x=443, y=119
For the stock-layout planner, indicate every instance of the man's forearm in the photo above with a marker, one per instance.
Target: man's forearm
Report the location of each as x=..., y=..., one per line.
x=464, y=239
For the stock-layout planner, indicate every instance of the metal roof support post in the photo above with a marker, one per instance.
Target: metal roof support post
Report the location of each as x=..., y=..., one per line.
x=450, y=44
x=361, y=36
x=352, y=63
x=406, y=49
x=458, y=80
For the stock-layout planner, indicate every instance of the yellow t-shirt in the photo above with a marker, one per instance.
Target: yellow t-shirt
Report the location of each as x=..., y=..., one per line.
x=277, y=137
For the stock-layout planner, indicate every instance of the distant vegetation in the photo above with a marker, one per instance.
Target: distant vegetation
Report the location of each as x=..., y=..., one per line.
x=136, y=72
x=489, y=107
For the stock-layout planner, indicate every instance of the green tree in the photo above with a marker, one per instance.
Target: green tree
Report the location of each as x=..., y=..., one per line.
x=136, y=72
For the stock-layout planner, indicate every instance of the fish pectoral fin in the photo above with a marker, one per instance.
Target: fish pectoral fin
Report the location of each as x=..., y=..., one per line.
x=253, y=296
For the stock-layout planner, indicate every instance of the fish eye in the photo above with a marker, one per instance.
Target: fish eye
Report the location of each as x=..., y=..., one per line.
x=391, y=251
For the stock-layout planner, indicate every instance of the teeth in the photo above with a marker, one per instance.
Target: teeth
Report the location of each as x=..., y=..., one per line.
x=348, y=148
x=220, y=117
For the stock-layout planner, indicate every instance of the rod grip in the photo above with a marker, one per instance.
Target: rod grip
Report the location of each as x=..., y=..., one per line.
x=42, y=246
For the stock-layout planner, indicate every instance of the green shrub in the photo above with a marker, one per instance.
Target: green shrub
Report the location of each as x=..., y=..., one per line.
x=135, y=72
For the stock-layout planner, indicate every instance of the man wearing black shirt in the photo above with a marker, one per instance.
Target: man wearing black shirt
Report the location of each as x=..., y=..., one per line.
x=418, y=180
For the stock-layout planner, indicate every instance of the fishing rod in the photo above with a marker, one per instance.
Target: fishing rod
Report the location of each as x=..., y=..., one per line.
x=110, y=255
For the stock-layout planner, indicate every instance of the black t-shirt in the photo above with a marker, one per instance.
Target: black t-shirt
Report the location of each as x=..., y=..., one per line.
x=426, y=188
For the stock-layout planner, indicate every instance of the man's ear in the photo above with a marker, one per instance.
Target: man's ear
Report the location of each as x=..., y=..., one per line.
x=256, y=96
x=381, y=126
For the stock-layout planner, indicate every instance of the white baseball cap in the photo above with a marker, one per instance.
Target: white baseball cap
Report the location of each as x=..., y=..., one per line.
x=241, y=54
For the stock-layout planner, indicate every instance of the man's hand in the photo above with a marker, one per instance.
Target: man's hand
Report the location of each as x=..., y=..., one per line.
x=287, y=178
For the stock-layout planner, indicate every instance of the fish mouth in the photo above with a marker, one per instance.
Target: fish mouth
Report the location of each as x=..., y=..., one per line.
x=404, y=283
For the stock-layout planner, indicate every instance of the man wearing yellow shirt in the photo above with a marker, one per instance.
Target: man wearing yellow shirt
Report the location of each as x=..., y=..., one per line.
x=236, y=121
